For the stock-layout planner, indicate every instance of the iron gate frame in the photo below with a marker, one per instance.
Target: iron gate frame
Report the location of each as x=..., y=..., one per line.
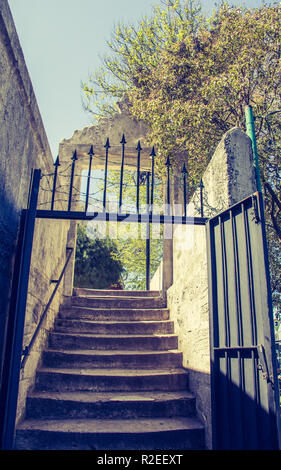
x=226, y=382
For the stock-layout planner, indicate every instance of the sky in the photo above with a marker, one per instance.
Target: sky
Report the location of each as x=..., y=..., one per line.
x=63, y=42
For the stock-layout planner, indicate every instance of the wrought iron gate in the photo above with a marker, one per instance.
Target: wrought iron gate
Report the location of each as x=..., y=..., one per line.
x=243, y=374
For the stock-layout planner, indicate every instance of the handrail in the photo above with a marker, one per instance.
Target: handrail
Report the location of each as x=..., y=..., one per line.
x=28, y=348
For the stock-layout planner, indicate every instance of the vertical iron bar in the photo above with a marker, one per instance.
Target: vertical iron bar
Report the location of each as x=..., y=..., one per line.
x=201, y=198
x=168, y=164
x=123, y=142
x=91, y=154
x=241, y=396
x=227, y=436
x=250, y=278
x=74, y=158
x=56, y=164
x=152, y=155
x=253, y=440
x=20, y=307
x=184, y=173
x=107, y=146
x=138, y=176
x=237, y=282
x=147, y=236
x=225, y=283
x=239, y=436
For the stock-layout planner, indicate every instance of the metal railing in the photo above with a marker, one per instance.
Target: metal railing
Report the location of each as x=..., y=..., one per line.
x=28, y=348
x=143, y=177
x=145, y=197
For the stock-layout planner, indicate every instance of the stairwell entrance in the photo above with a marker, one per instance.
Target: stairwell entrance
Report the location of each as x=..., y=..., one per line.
x=242, y=342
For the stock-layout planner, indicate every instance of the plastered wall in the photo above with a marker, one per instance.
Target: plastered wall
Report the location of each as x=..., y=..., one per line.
x=23, y=147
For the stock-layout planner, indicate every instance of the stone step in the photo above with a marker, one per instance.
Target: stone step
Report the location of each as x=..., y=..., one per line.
x=115, y=327
x=118, y=302
x=93, y=434
x=112, y=342
x=117, y=359
x=112, y=378
x=115, y=292
x=89, y=405
x=98, y=380
x=120, y=314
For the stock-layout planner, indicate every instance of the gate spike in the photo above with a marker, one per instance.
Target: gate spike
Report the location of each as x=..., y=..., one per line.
x=91, y=154
x=56, y=165
x=152, y=155
x=123, y=141
x=147, y=235
x=107, y=145
x=201, y=198
x=168, y=164
x=184, y=173
x=139, y=148
x=74, y=156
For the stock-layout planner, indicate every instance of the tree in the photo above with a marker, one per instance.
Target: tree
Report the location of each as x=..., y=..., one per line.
x=129, y=238
x=190, y=77
x=136, y=50
x=97, y=264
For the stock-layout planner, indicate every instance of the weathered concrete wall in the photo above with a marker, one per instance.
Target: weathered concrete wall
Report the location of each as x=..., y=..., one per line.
x=228, y=178
x=23, y=146
x=113, y=128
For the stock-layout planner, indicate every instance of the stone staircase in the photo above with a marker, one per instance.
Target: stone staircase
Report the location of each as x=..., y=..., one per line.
x=111, y=378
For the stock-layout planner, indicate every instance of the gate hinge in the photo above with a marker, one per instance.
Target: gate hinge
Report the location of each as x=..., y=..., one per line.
x=24, y=353
x=263, y=366
x=256, y=217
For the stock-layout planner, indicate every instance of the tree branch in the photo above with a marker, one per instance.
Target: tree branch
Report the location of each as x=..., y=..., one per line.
x=274, y=200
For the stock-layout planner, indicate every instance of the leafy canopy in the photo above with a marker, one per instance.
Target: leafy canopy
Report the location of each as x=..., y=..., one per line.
x=190, y=77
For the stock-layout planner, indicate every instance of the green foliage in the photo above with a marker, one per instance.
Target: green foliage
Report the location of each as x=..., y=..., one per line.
x=135, y=51
x=97, y=264
x=190, y=77
x=132, y=252
x=129, y=238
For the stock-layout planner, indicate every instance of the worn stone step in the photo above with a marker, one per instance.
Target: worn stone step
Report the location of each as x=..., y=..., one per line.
x=118, y=302
x=89, y=405
x=98, y=380
x=117, y=359
x=121, y=314
x=113, y=342
x=115, y=292
x=115, y=327
x=91, y=434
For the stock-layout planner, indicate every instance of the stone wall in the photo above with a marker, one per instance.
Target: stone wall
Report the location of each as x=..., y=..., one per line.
x=228, y=178
x=23, y=147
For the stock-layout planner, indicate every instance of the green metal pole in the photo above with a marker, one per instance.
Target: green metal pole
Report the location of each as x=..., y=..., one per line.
x=250, y=128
